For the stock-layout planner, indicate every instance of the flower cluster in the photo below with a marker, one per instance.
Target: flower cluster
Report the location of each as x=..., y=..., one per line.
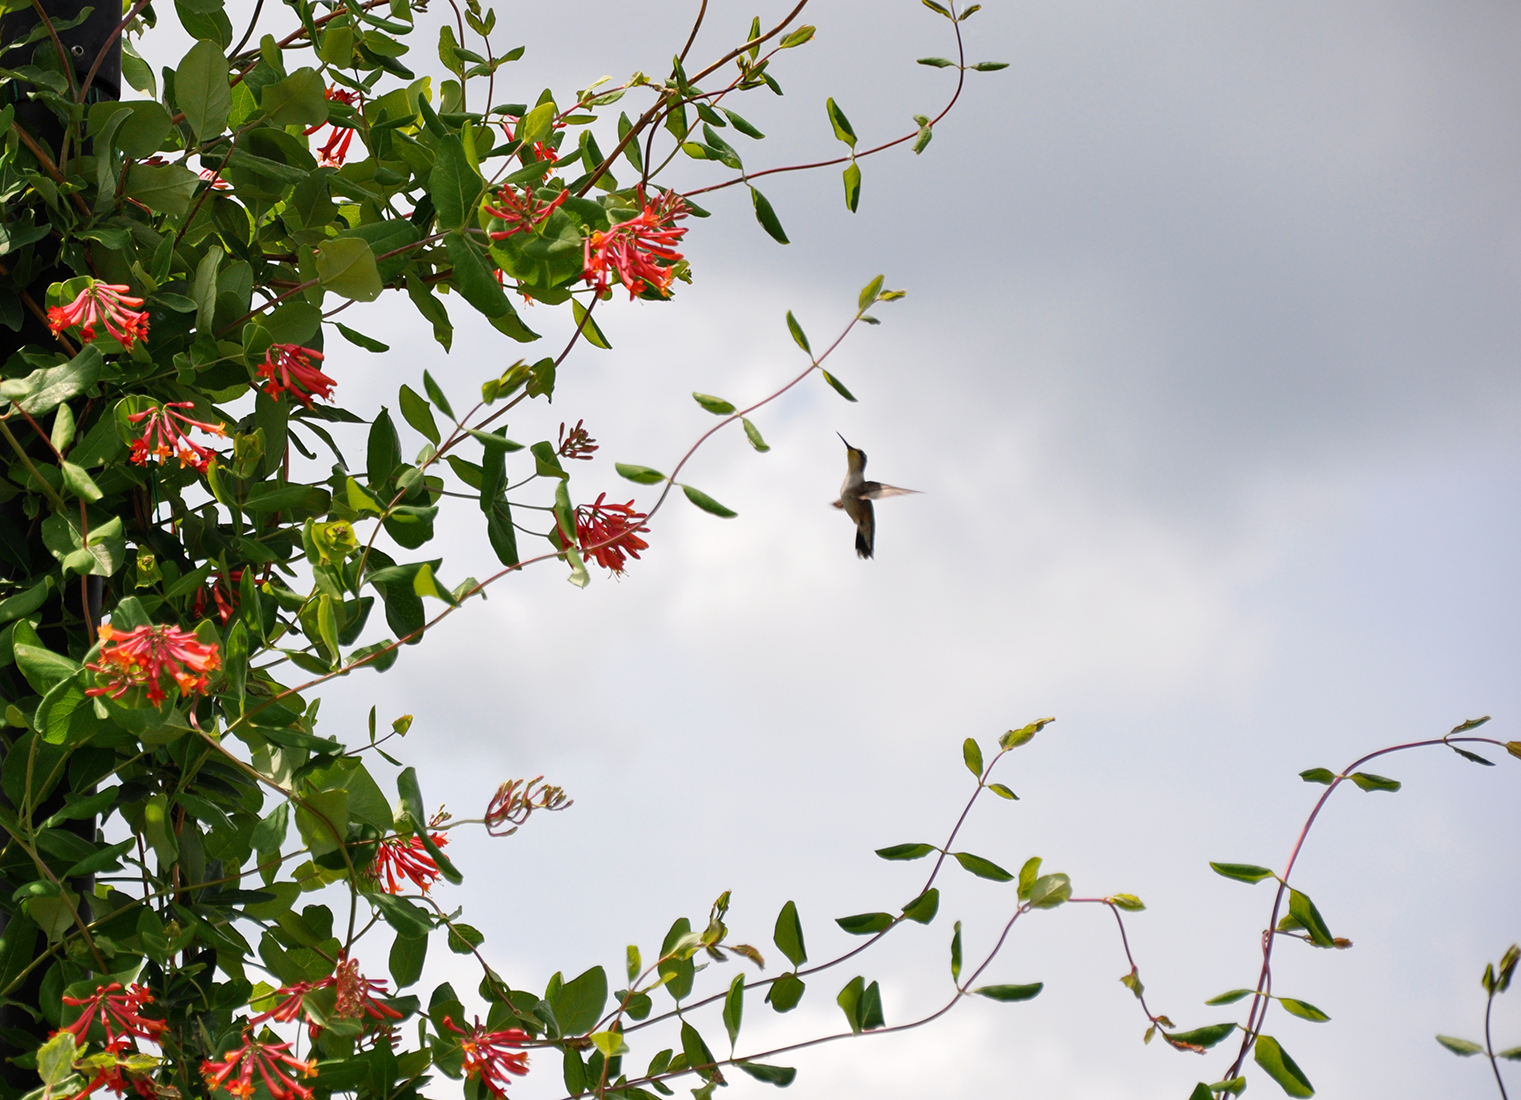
x=397, y=859
x=578, y=444
x=521, y=210
x=336, y=148
x=109, y=304
x=118, y=1012
x=515, y=800
x=641, y=250
x=142, y=657
x=288, y=368
x=270, y=1060
x=164, y=436
x=608, y=532
x=487, y=1056
x=356, y=997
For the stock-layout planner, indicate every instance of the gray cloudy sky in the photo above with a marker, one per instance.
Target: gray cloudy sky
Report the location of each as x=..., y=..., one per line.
x=1208, y=374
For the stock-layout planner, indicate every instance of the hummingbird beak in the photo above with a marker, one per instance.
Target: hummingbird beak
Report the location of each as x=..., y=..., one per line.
x=843, y=439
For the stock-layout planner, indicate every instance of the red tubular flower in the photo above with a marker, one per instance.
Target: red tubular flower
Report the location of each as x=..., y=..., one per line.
x=487, y=1058
x=522, y=210
x=165, y=435
x=542, y=150
x=609, y=531
x=141, y=657
x=356, y=997
x=641, y=250
x=270, y=1060
x=578, y=444
x=117, y=1009
x=220, y=591
x=215, y=179
x=109, y=304
x=288, y=368
x=337, y=146
x=408, y=858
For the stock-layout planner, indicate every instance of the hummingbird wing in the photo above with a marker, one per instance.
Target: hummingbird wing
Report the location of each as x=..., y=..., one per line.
x=866, y=529
x=875, y=490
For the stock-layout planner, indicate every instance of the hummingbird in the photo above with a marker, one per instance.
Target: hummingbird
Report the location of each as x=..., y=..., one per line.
x=857, y=494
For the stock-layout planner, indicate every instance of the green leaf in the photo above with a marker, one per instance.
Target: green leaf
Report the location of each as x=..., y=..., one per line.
x=643, y=475
x=734, y=1008
x=865, y=924
x=1027, y=877
x=407, y=957
x=839, y=387
x=104, y=860
x=1022, y=736
x=781, y=1076
x=1511, y=1055
x=1229, y=998
x=971, y=753
x=298, y=100
x=359, y=339
x=1128, y=902
x=926, y=134
x=1370, y=782
x=202, y=90
x=1302, y=909
x=1010, y=993
x=408, y=919
x=982, y=868
x=1049, y=891
x=1242, y=872
x=852, y=186
x=1318, y=775
x=767, y=217
x=474, y=277
x=1462, y=1047
x=869, y=293
x=579, y=1003
x=697, y=1052
x=1205, y=1037
x=906, y=851
x=990, y=66
x=752, y=433
x=1471, y=724
x=797, y=333
x=465, y=938
x=715, y=405
x=841, y=124
x=956, y=953
x=586, y=324
x=937, y=62
x=412, y=803
x=797, y=37
x=1303, y=1009
x=1277, y=1064
x=785, y=993
x=707, y=503
x=346, y=266
x=788, y=935
x=416, y=412
x=923, y=908
x=164, y=189
x=454, y=186
x=46, y=388
x=1472, y=756
x=436, y=395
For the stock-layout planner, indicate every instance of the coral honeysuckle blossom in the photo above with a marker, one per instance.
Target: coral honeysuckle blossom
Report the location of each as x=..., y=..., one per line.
x=356, y=997
x=108, y=304
x=117, y=1010
x=288, y=368
x=336, y=148
x=407, y=859
x=488, y=1058
x=521, y=210
x=641, y=250
x=164, y=436
x=608, y=532
x=141, y=658
x=270, y=1060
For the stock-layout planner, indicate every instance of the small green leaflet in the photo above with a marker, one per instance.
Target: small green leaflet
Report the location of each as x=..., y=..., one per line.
x=1242, y=872
x=1277, y=1064
x=982, y=868
x=956, y=954
x=990, y=66
x=1471, y=724
x=923, y=908
x=1027, y=876
x=798, y=37
x=788, y=937
x=1473, y=756
x=869, y=293
x=767, y=217
x=1302, y=909
x=1461, y=1047
x=587, y=326
x=1202, y=1036
x=906, y=851
x=734, y=1007
x=715, y=405
x=865, y=924
x=1014, y=738
x=752, y=433
x=839, y=387
x=1128, y=902
x=361, y=340
x=971, y=752
x=1229, y=998
x=707, y=503
x=1050, y=891
x=1370, y=782
x=926, y=132
x=937, y=62
x=841, y=124
x=1003, y=792
x=643, y=475
x=1010, y=993
x=781, y=1076
x=1303, y=1009
x=1318, y=775
x=797, y=333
